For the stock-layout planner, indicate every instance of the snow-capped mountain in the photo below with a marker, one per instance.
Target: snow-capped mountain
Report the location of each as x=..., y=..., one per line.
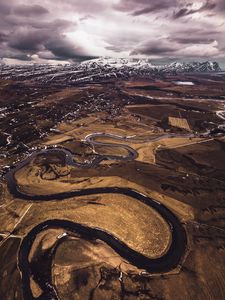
x=102, y=69
x=145, y=64
x=200, y=67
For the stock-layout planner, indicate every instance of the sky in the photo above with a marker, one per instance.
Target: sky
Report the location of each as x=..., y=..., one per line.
x=58, y=31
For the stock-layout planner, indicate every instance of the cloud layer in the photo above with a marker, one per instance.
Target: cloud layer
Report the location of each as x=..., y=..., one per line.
x=74, y=30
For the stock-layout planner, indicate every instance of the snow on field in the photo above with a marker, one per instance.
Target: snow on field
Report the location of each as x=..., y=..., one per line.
x=184, y=83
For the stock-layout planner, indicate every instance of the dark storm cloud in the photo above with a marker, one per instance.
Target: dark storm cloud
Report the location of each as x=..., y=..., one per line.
x=197, y=32
x=154, y=47
x=4, y=9
x=152, y=8
x=28, y=39
x=193, y=40
x=34, y=40
x=175, y=8
x=154, y=50
x=3, y=37
x=197, y=36
x=63, y=48
x=57, y=25
x=185, y=11
x=15, y=54
x=30, y=10
x=220, y=6
x=86, y=17
x=142, y=7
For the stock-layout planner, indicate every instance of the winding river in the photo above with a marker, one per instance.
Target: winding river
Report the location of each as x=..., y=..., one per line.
x=42, y=276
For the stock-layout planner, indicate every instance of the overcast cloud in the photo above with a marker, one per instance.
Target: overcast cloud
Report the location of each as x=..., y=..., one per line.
x=72, y=30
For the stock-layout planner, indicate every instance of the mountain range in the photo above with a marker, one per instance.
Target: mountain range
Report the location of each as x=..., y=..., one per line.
x=101, y=69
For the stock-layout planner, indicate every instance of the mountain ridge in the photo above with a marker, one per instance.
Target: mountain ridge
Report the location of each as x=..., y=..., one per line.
x=102, y=69
x=211, y=66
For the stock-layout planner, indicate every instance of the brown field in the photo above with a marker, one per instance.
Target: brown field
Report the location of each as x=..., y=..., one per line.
x=180, y=143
